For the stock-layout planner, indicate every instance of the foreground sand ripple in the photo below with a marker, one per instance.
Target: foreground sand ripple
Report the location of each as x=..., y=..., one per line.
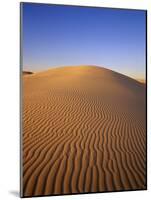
x=84, y=130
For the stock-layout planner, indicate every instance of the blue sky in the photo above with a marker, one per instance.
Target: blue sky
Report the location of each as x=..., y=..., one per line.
x=56, y=36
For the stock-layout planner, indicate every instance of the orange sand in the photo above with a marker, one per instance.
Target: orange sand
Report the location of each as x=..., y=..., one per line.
x=84, y=130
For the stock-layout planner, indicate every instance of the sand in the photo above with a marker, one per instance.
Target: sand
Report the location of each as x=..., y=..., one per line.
x=84, y=130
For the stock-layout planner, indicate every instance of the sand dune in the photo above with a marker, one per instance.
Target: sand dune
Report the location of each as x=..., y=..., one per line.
x=142, y=81
x=84, y=130
x=27, y=73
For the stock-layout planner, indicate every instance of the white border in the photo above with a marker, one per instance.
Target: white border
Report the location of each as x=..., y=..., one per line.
x=9, y=97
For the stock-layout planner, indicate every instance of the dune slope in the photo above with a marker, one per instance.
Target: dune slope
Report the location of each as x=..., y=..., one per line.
x=84, y=130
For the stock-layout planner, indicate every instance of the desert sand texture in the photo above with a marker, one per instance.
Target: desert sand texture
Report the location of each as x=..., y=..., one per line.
x=84, y=130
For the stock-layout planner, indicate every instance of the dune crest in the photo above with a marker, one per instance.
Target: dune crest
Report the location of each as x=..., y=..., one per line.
x=84, y=130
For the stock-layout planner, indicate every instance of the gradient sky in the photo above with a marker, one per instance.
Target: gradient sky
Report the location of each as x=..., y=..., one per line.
x=66, y=35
